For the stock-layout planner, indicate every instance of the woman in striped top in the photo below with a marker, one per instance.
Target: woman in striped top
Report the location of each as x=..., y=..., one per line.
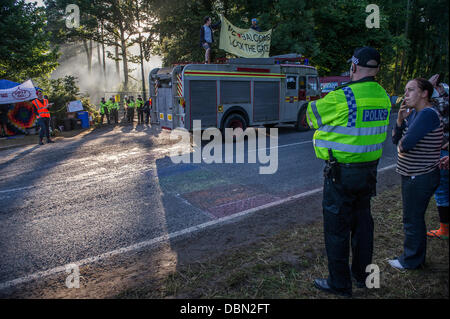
x=418, y=134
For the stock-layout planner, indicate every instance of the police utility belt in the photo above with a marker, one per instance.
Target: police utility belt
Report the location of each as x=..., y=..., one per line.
x=333, y=167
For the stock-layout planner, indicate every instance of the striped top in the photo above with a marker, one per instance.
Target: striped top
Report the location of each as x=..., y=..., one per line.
x=420, y=138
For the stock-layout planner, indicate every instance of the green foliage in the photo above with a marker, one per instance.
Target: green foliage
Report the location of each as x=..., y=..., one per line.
x=411, y=43
x=412, y=38
x=25, y=49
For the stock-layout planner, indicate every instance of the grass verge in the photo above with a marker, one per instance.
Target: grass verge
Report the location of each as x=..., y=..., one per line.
x=283, y=265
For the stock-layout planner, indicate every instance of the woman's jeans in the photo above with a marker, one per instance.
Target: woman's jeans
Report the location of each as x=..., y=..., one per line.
x=416, y=194
x=441, y=195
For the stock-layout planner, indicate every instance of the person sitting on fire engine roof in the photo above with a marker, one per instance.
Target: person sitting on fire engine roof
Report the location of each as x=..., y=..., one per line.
x=254, y=25
x=207, y=38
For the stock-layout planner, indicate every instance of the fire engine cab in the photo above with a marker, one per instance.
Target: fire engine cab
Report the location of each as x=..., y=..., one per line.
x=240, y=93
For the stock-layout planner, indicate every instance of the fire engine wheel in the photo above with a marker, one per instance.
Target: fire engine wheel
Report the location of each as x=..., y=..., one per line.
x=302, y=125
x=235, y=121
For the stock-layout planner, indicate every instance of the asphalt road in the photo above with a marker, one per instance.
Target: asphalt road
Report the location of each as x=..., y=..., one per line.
x=115, y=187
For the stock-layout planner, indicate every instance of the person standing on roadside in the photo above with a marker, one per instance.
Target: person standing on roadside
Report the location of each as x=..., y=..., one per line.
x=351, y=125
x=140, y=109
x=43, y=115
x=440, y=103
x=104, y=110
x=4, y=109
x=147, y=109
x=418, y=135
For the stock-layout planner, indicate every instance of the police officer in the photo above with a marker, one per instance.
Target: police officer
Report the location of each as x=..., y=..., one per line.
x=147, y=109
x=114, y=109
x=104, y=110
x=351, y=125
x=140, y=109
x=130, y=109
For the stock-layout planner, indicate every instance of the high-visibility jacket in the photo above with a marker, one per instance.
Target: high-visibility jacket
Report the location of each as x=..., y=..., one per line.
x=103, y=106
x=115, y=105
x=42, y=108
x=352, y=121
x=131, y=104
x=139, y=103
x=109, y=105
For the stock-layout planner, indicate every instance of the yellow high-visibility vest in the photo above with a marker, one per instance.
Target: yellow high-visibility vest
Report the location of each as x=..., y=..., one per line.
x=352, y=121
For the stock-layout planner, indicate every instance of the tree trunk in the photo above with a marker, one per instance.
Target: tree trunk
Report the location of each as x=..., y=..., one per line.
x=396, y=70
x=408, y=5
x=98, y=55
x=103, y=50
x=124, y=59
x=88, y=51
x=117, y=61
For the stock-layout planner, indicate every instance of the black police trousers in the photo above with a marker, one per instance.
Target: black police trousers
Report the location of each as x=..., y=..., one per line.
x=348, y=220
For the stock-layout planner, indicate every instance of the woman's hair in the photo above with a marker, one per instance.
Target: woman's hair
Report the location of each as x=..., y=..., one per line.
x=425, y=85
x=205, y=19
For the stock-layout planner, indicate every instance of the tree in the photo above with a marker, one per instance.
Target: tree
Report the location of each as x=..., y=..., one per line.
x=177, y=26
x=87, y=32
x=27, y=53
x=111, y=23
x=62, y=91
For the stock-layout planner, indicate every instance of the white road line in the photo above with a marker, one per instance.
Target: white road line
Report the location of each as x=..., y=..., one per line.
x=157, y=240
x=16, y=189
x=280, y=146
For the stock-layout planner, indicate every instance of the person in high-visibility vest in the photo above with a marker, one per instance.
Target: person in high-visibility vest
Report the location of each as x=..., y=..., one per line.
x=114, y=109
x=42, y=112
x=351, y=125
x=131, y=104
x=104, y=110
x=140, y=109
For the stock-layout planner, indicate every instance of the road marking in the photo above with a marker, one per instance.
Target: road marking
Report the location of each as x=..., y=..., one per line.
x=160, y=239
x=280, y=146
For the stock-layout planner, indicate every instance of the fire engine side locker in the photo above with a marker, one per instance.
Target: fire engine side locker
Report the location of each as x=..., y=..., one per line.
x=211, y=90
x=201, y=94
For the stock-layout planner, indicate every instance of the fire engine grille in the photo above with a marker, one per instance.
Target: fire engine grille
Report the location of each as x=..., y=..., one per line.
x=204, y=102
x=266, y=101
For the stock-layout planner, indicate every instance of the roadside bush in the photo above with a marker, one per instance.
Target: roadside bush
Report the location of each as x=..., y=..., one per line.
x=62, y=91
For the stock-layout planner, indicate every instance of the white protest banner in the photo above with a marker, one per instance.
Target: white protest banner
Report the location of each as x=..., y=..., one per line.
x=21, y=93
x=75, y=106
x=246, y=43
